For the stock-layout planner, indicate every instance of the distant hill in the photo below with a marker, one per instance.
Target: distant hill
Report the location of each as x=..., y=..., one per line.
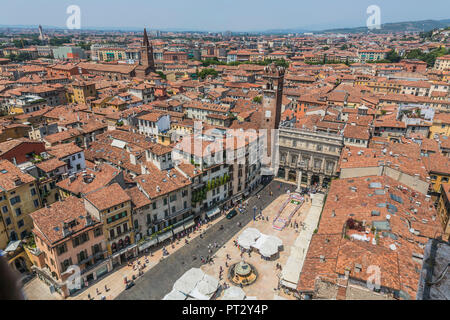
x=410, y=26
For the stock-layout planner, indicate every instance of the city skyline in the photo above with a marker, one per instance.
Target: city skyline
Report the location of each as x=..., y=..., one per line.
x=253, y=16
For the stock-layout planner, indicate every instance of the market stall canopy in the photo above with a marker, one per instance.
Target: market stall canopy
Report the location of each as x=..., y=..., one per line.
x=268, y=249
x=253, y=232
x=233, y=293
x=195, y=284
x=248, y=238
x=175, y=295
x=187, y=282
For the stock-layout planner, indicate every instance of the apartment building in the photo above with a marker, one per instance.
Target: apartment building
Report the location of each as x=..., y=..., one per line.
x=442, y=63
x=115, y=215
x=199, y=111
x=170, y=195
x=68, y=237
x=372, y=55
x=82, y=90
x=19, y=197
x=154, y=123
x=443, y=209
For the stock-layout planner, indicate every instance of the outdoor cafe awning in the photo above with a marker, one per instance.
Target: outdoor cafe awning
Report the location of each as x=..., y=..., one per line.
x=130, y=247
x=178, y=229
x=165, y=236
x=189, y=224
x=212, y=212
x=237, y=197
x=148, y=244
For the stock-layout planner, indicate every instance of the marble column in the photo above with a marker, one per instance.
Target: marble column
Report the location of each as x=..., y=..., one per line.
x=299, y=181
x=309, y=179
x=286, y=173
x=321, y=177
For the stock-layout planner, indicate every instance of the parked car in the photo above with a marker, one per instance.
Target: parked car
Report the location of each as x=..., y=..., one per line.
x=129, y=284
x=231, y=214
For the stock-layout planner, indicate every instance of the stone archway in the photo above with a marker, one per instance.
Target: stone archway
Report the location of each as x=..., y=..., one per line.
x=315, y=180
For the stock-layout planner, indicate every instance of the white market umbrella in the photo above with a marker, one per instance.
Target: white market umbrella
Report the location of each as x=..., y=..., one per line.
x=233, y=293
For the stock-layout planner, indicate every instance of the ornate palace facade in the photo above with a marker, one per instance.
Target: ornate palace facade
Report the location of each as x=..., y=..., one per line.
x=308, y=157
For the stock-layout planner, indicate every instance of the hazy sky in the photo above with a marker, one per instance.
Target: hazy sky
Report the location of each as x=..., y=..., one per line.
x=219, y=15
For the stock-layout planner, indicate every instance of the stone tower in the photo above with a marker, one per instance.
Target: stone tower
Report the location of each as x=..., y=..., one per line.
x=271, y=111
x=273, y=94
x=146, y=65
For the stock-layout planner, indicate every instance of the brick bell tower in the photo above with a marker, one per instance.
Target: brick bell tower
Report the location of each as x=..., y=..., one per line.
x=146, y=64
x=273, y=94
x=271, y=107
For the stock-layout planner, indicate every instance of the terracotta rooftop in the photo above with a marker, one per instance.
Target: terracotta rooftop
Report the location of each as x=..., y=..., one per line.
x=102, y=198
x=48, y=222
x=12, y=177
x=158, y=183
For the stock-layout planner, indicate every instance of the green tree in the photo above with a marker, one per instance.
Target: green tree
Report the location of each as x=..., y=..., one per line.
x=282, y=63
x=22, y=56
x=84, y=45
x=208, y=72
x=161, y=74
x=393, y=56
x=257, y=99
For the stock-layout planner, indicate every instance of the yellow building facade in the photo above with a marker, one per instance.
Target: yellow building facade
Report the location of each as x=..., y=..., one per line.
x=19, y=198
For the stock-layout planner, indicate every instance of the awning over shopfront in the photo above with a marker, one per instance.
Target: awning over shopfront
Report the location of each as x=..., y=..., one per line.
x=178, y=229
x=148, y=244
x=124, y=250
x=165, y=236
x=212, y=212
x=189, y=224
